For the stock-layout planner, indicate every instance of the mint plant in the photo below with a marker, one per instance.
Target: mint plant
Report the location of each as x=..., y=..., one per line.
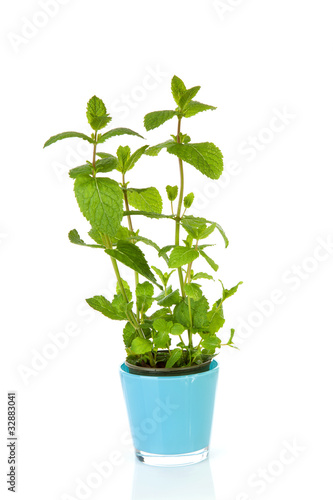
x=167, y=325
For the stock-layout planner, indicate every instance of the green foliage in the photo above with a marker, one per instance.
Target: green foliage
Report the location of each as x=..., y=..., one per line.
x=130, y=255
x=97, y=116
x=204, y=156
x=172, y=192
x=157, y=118
x=182, y=255
x=147, y=199
x=176, y=326
x=188, y=200
x=101, y=201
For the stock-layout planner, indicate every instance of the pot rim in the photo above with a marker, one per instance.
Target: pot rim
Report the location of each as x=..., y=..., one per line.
x=124, y=368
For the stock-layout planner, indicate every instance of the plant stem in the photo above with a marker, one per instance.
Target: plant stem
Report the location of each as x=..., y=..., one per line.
x=94, y=156
x=179, y=209
x=177, y=235
x=130, y=226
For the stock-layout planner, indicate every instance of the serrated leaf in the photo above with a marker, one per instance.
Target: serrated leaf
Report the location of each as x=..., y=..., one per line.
x=175, y=356
x=74, y=237
x=157, y=118
x=66, y=135
x=117, y=131
x=97, y=115
x=232, y=291
x=147, y=199
x=135, y=157
x=141, y=346
x=129, y=334
x=162, y=326
x=204, y=156
x=127, y=289
x=182, y=255
x=82, y=169
x=210, y=261
x=199, y=313
x=188, y=96
x=149, y=242
x=106, y=164
x=201, y=220
x=96, y=236
x=161, y=340
x=163, y=251
x=195, y=107
x=101, y=201
x=170, y=299
x=193, y=291
x=215, y=317
x=177, y=88
x=211, y=342
x=144, y=294
x=155, y=150
x=101, y=304
x=133, y=257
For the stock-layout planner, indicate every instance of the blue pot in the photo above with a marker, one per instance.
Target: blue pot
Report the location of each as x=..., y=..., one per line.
x=170, y=416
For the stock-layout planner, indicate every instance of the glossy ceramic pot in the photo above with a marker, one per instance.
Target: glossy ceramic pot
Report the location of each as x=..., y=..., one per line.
x=170, y=416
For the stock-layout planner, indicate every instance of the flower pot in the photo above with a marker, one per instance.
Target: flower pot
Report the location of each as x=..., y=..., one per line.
x=170, y=416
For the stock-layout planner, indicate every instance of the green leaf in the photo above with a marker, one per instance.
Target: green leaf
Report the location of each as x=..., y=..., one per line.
x=106, y=164
x=123, y=154
x=82, y=169
x=117, y=131
x=162, y=340
x=230, y=341
x=135, y=157
x=66, y=135
x=157, y=118
x=150, y=243
x=210, y=261
x=215, y=317
x=188, y=200
x=195, y=107
x=101, y=304
x=144, y=294
x=147, y=199
x=199, y=313
x=159, y=274
x=170, y=299
x=101, y=201
x=176, y=354
x=200, y=220
x=193, y=291
x=141, y=346
x=172, y=192
x=127, y=289
x=74, y=237
x=188, y=96
x=177, y=88
x=211, y=342
x=150, y=215
x=163, y=251
x=96, y=236
x=182, y=255
x=129, y=334
x=177, y=329
x=155, y=150
x=97, y=116
x=199, y=276
x=232, y=291
x=204, y=156
x=131, y=255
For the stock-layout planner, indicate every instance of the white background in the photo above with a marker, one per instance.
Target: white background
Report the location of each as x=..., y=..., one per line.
x=255, y=60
